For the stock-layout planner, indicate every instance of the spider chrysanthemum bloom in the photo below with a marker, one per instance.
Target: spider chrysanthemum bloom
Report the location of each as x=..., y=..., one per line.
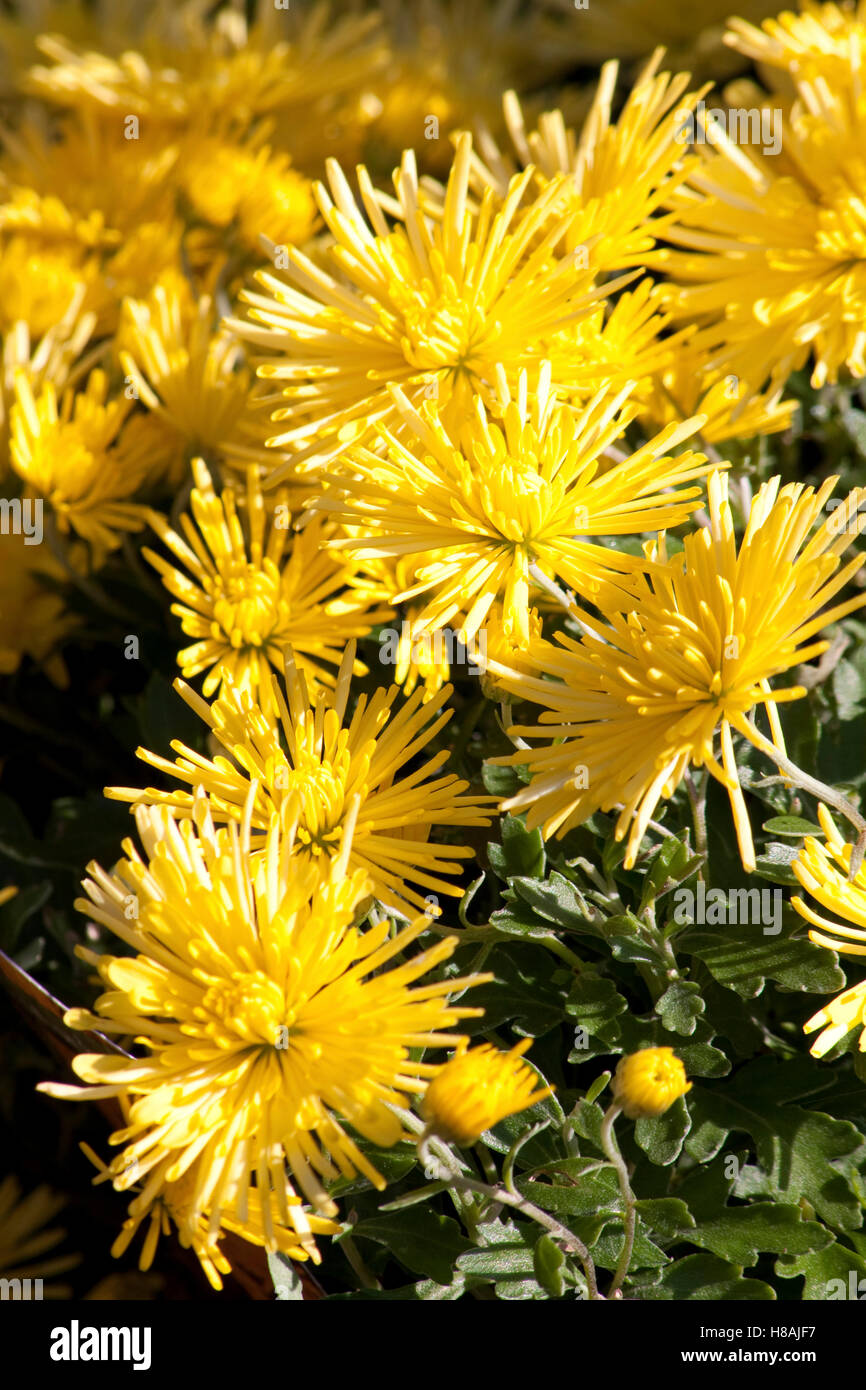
x=186, y=64
x=620, y=172
x=81, y=457
x=647, y=1083
x=732, y=409
x=431, y=302
x=248, y=190
x=93, y=166
x=773, y=234
x=189, y=373
x=818, y=40
x=26, y=1238
x=39, y=284
x=267, y=1021
x=642, y=697
x=51, y=357
x=479, y=1087
x=248, y=592
x=822, y=869
x=161, y=1207
x=503, y=498
x=322, y=763
x=86, y=200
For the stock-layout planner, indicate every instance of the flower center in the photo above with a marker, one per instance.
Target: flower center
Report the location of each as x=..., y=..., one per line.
x=248, y=606
x=320, y=794
x=515, y=499
x=248, y=1009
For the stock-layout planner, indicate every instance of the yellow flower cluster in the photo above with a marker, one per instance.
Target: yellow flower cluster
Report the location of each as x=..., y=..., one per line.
x=467, y=400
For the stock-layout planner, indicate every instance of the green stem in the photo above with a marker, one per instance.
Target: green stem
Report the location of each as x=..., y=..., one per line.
x=356, y=1260
x=611, y=1148
x=698, y=799
x=820, y=790
x=571, y=1243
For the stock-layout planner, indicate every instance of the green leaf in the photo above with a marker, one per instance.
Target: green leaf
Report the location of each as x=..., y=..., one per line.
x=673, y=863
x=661, y=1136
x=425, y=1291
x=524, y=993
x=521, y=853
x=15, y=913
x=704, y=1278
x=742, y=959
x=502, y=781
x=680, y=1006
x=597, y=1087
x=667, y=1217
x=775, y=863
x=588, y=1194
x=825, y=1271
x=420, y=1239
x=741, y=1234
x=606, y=1250
x=556, y=900
x=547, y=1263
x=854, y=422
x=506, y=1260
x=802, y=1153
x=594, y=1002
x=795, y=826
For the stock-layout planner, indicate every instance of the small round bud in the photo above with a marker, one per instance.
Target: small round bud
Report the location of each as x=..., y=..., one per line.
x=648, y=1082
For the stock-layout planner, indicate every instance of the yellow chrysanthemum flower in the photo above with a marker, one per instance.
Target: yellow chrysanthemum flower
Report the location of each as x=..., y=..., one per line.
x=54, y=357
x=24, y=1239
x=78, y=457
x=167, y=1206
x=620, y=172
x=732, y=409
x=268, y=1021
x=247, y=594
x=70, y=247
x=648, y=1082
x=327, y=763
x=38, y=285
x=823, y=871
x=93, y=165
x=187, y=65
x=433, y=304
x=818, y=40
x=774, y=236
x=190, y=374
x=250, y=186
x=478, y=1088
x=641, y=697
x=33, y=619
x=503, y=500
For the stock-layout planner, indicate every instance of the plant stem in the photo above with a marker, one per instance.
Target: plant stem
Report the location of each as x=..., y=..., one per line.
x=820, y=790
x=698, y=799
x=611, y=1148
x=353, y=1255
x=571, y=1243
